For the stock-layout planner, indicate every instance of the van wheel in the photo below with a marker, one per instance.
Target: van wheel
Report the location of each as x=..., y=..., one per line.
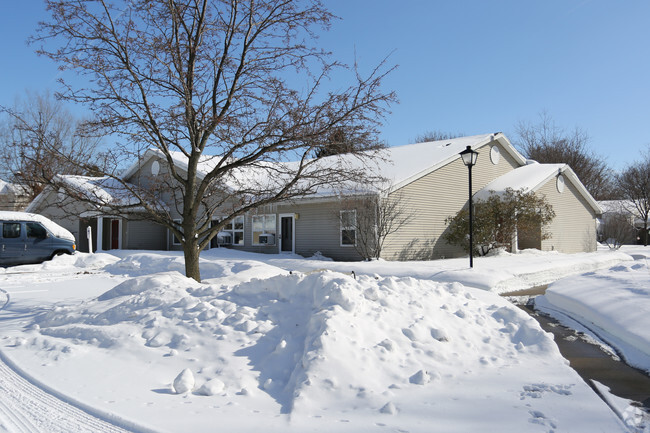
x=58, y=253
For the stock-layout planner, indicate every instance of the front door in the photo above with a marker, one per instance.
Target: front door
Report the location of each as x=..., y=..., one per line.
x=286, y=234
x=115, y=234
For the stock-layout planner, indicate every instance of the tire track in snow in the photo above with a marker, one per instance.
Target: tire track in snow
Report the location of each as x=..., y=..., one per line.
x=28, y=407
x=25, y=408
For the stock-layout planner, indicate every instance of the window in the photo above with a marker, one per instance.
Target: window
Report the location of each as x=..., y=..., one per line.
x=348, y=227
x=263, y=224
x=236, y=229
x=175, y=241
x=11, y=230
x=35, y=230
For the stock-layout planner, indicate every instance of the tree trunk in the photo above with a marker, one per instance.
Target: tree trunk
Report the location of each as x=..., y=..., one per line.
x=645, y=233
x=191, y=253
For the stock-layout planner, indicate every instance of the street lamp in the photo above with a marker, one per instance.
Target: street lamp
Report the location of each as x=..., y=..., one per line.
x=469, y=157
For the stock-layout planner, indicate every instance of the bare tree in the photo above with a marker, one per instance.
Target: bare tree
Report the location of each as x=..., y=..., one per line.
x=192, y=78
x=634, y=186
x=40, y=139
x=435, y=136
x=373, y=217
x=341, y=141
x=617, y=227
x=547, y=143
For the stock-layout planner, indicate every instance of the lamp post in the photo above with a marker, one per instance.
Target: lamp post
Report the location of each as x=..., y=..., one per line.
x=469, y=157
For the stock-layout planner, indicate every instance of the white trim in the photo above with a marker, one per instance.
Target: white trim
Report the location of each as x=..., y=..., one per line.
x=559, y=183
x=495, y=155
x=100, y=233
x=293, y=232
x=155, y=168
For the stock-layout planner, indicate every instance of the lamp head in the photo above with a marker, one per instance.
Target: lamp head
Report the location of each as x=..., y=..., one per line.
x=469, y=156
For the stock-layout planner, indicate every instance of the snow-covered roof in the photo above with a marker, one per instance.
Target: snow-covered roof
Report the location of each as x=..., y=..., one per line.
x=405, y=164
x=104, y=189
x=5, y=188
x=55, y=229
x=11, y=188
x=533, y=176
x=399, y=165
x=100, y=190
x=206, y=162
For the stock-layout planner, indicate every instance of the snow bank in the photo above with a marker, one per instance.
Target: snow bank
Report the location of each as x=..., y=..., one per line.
x=614, y=304
x=260, y=343
x=221, y=266
x=65, y=263
x=392, y=352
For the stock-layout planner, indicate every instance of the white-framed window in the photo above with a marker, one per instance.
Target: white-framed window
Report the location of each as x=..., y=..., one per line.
x=264, y=225
x=236, y=229
x=348, y=228
x=175, y=240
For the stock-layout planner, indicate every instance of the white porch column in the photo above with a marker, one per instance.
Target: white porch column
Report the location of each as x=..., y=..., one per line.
x=100, y=233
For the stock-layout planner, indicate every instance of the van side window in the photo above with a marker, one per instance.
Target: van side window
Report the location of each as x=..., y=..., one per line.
x=11, y=230
x=35, y=230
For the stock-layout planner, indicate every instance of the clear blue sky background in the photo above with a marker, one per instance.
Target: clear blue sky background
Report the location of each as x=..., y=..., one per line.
x=468, y=66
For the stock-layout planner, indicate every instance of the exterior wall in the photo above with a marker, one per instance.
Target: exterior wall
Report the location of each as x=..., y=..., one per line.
x=574, y=227
x=12, y=202
x=318, y=228
x=433, y=198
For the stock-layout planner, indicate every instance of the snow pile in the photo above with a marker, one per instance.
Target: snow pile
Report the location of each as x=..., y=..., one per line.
x=227, y=270
x=613, y=304
x=75, y=263
x=321, y=347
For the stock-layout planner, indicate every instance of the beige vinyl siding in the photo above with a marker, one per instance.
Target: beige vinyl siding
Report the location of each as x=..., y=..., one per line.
x=13, y=202
x=318, y=229
x=574, y=227
x=434, y=197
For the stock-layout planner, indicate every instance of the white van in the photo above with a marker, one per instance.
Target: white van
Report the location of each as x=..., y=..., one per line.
x=30, y=238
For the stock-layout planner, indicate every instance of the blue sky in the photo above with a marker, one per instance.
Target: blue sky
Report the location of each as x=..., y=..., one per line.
x=465, y=66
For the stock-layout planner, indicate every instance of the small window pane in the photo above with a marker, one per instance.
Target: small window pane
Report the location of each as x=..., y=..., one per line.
x=348, y=218
x=258, y=223
x=11, y=230
x=348, y=237
x=263, y=224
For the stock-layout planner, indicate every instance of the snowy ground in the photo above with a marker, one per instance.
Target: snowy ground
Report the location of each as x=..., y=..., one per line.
x=611, y=305
x=281, y=344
